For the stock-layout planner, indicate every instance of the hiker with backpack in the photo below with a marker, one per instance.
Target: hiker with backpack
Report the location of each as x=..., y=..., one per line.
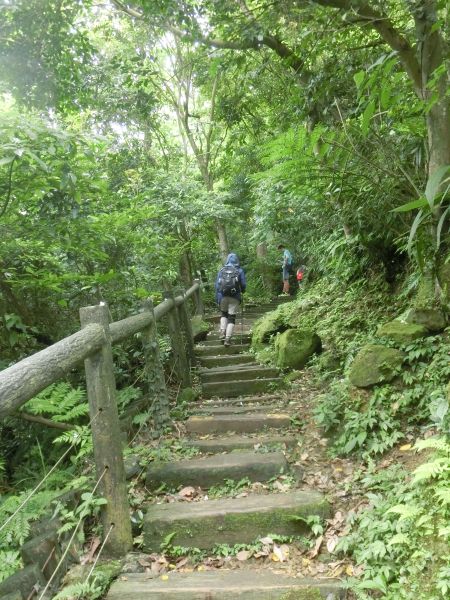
x=230, y=285
x=286, y=268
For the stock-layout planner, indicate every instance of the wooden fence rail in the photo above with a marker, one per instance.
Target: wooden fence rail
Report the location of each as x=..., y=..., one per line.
x=92, y=344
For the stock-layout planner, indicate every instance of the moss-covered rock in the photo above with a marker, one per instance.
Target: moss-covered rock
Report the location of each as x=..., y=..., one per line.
x=270, y=324
x=294, y=347
x=200, y=328
x=292, y=376
x=430, y=318
x=401, y=332
x=375, y=364
x=187, y=395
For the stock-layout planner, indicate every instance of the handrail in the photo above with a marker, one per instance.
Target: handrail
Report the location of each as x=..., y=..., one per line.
x=120, y=330
x=22, y=381
x=93, y=344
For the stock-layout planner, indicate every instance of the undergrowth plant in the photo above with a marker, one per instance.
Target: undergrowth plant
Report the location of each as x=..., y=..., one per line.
x=371, y=422
x=401, y=538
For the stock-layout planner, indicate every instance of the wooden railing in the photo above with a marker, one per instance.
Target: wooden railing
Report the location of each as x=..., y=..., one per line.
x=93, y=345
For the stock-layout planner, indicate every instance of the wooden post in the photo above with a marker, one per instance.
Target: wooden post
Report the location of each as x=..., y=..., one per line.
x=199, y=307
x=185, y=320
x=154, y=371
x=181, y=364
x=101, y=388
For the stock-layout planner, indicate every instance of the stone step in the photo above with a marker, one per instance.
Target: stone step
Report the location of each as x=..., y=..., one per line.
x=223, y=584
x=237, y=423
x=234, y=410
x=228, y=389
x=239, y=442
x=247, y=320
x=224, y=360
x=221, y=350
x=238, y=374
x=213, y=470
x=231, y=520
x=213, y=339
x=244, y=401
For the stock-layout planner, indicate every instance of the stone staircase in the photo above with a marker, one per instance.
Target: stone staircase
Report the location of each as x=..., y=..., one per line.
x=240, y=412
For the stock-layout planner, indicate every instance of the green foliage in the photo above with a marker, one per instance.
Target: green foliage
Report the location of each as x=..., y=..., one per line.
x=165, y=450
x=372, y=422
x=61, y=402
x=10, y=562
x=229, y=488
x=15, y=532
x=401, y=538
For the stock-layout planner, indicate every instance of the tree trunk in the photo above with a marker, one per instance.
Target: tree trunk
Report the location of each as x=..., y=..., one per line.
x=223, y=240
x=432, y=57
x=261, y=254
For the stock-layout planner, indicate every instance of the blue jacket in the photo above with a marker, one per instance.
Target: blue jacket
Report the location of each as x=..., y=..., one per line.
x=232, y=259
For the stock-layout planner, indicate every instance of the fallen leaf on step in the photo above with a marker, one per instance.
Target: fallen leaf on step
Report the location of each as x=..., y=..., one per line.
x=187, y=492
x=281, y=552
x=164, y=577
x=243, y=555
x=315, y=551
x=144, y=563
x=405, y=447
x=332, y=542
x=181, y=562
x=281, y=487
x=266, y=540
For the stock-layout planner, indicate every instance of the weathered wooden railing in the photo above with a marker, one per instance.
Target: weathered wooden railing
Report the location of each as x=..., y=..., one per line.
x=93, y=344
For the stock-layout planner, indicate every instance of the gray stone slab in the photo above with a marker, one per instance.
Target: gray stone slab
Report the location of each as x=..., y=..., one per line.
x=227, y=368
x=234, y=409
x=238, y=442
x=221, y=350
x=230, y=389
x=213, y=470
x=240, y=374
x=243, y=584
x=213, y=340
x=244, y=401
x=231, y=520
x=237, y=423
x=220, y=361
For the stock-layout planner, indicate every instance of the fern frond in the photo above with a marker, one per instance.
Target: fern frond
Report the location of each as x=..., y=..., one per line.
x=10, y=562
x=405, y=511
x=61, y=402
x=436, y=443
x=431, y=469
x=442, y=494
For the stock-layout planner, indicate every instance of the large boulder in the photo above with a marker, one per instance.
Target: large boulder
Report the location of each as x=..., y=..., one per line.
x=294, y=347
x=401, y=332
x=200, y=328
x=270, y=324
x=375, y=364
x=430, y=318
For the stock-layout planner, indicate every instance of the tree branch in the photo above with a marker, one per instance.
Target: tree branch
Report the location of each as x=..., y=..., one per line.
x=42, y=421
x=132, y=12
x=8, y=193
x=383, y=25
